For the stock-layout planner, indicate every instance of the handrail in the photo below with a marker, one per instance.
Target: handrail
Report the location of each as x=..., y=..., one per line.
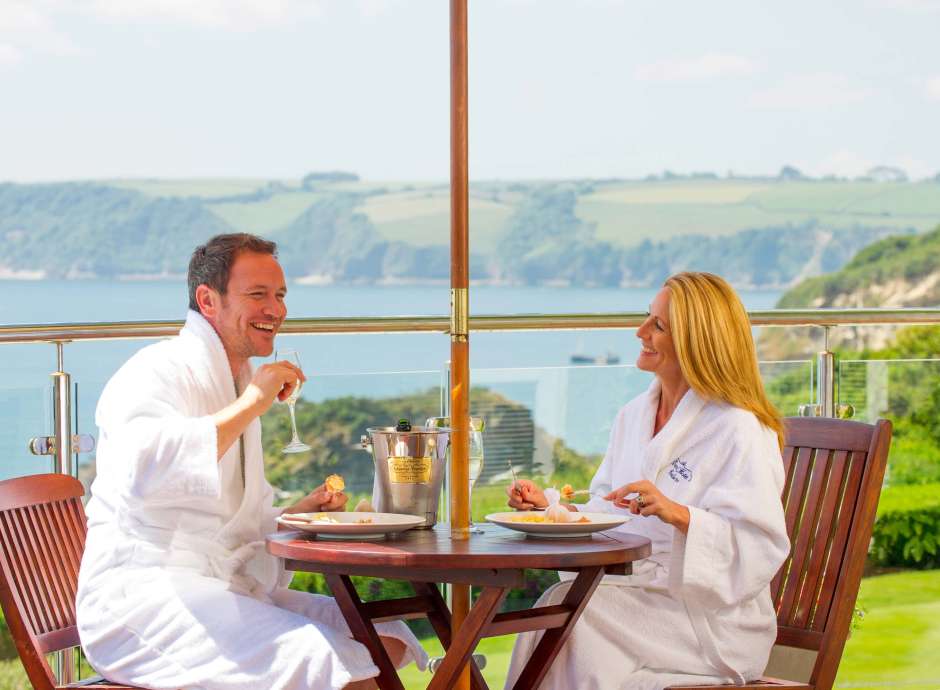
x=38, y=333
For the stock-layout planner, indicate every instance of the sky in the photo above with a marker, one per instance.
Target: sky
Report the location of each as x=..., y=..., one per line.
x=93, y=89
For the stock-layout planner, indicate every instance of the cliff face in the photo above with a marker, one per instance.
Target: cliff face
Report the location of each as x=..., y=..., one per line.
x=894, y=272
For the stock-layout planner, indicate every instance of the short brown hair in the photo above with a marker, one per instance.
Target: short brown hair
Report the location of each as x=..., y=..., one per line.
x=212, y=262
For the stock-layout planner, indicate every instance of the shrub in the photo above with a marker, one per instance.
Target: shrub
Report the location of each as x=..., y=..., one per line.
x=914, y=459
x=907, y=529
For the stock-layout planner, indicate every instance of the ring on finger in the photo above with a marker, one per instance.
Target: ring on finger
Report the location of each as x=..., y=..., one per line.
x=640, y=501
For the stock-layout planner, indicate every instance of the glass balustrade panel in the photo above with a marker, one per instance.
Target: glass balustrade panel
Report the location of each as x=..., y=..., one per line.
x=903, y=556
x=26, y=395
x=907, y=392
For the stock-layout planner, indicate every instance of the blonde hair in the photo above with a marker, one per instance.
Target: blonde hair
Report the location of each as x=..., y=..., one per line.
x=712, y=337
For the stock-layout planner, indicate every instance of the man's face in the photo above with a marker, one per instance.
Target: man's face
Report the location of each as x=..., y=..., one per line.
x=249, y=315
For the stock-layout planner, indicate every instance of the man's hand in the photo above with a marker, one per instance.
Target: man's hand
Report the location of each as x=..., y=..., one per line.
x=270, y=381
x=525, y=495
x=274, y=381
x=320, y=500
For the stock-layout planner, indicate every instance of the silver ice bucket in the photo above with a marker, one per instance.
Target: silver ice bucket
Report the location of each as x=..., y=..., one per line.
x=409, y=469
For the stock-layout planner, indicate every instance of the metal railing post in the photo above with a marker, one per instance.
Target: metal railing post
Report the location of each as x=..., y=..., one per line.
x=826, y=379
x=62, y=414
x=825, y=393
x=62, y=429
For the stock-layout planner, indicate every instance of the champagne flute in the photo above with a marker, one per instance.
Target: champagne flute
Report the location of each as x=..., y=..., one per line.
x=295, y=445
x=475, y=462
x=475, y=457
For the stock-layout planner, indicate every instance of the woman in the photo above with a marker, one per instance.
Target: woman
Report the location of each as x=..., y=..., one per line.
x=696, y=459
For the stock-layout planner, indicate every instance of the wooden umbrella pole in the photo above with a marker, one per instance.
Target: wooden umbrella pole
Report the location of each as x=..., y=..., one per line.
x=459, y=273
x=459, y=307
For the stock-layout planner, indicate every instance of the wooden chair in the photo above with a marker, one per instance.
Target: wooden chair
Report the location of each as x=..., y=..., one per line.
x=42, y=536
x=834, y=470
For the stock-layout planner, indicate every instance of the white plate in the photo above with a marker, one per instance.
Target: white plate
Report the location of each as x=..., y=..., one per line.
x=349, y=525
x=598, y=522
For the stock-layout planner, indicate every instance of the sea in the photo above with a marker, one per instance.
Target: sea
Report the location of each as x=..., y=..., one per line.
x=568, y=401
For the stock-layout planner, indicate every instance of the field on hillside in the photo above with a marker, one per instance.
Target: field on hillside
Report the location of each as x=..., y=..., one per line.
x=625, y=212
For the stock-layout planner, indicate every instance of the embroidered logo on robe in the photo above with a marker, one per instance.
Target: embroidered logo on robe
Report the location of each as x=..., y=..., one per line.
x=680, y=471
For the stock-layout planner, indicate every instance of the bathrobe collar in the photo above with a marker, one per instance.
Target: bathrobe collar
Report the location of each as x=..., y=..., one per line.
x=662, y=448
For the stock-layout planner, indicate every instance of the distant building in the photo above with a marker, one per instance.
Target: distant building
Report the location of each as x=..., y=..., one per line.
x=885, y=173
x=789, y=173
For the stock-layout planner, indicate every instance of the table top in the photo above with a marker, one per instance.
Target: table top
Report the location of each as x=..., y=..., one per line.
x=497, y=548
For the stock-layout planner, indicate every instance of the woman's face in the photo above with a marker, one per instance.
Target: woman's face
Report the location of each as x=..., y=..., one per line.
x=657, y=353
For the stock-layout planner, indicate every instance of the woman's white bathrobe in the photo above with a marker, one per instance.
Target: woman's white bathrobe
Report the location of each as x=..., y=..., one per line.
x=175, y=588
x=698, y=610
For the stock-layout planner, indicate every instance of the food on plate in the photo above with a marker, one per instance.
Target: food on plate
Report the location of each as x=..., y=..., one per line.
x=557, y=513
x=323, y=517
x=364, y=521
x=335, y=483
x=364, y=506
x=527, y=517
x=567, y=491
x=544, y=518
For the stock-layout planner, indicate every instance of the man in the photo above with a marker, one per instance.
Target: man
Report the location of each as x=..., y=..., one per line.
x=176, y=589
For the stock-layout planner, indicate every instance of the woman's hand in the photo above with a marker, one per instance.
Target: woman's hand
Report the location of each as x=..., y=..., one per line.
x=525, y=495
x=649, y=500
x=320, y=500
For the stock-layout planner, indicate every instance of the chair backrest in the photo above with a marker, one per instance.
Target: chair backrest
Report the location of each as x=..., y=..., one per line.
x=834, y=470
x=42, y=536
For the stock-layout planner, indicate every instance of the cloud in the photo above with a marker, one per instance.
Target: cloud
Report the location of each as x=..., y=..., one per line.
x=909, y=5
x=932, y=88
x=708, y=66
x=29, y=27
x=26, y=28
x=9, y=55
x=224, y=14
x=815, y=90
x=370, y=9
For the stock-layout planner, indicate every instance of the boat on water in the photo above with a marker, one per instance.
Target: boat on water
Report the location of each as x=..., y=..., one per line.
x=608, y=358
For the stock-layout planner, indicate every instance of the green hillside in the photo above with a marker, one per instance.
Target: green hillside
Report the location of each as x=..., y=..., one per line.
x=335, y=227
x=897, y=271
x=625, y=212
x=902, y=260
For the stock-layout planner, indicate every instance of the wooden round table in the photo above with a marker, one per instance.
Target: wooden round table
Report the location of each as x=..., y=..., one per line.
x=494, y=561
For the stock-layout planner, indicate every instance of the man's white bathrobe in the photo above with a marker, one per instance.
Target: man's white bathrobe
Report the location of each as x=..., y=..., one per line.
x=175, y=588
x=698, y=610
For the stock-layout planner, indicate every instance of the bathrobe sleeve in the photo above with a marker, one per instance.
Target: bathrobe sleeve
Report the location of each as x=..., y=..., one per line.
x=737, y=536
x=142, y=414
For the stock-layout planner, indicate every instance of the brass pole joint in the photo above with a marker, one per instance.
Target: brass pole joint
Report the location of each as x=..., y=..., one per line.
x=459, y=314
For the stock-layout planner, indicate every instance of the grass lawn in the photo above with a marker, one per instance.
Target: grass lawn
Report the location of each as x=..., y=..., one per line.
x=896, y=645
x=496, y=649
x=898, y=640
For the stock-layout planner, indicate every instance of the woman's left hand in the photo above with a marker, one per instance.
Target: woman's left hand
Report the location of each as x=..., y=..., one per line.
x=649, y=500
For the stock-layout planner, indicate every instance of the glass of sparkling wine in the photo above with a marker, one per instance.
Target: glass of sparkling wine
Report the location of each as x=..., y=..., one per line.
x=475, y=462
x=475, y=459
x=295, y=445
